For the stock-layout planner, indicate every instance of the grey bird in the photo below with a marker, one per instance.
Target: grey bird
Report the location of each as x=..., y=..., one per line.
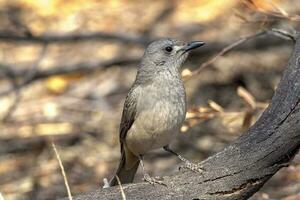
x=155, y=107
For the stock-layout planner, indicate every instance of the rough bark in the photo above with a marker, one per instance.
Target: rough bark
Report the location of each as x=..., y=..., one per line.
x=243, y=167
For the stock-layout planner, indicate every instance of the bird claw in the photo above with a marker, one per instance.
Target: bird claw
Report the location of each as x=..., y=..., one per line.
x=194, y=167
x=152, y=180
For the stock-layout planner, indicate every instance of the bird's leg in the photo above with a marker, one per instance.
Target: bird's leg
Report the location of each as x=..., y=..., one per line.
x=188, y=164
x=147, y=177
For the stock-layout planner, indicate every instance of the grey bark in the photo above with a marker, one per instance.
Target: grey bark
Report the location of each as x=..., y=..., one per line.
x=243, y=167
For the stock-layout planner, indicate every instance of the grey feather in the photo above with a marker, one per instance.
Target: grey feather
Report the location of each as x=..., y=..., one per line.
x=129, y=113
x=155, y=106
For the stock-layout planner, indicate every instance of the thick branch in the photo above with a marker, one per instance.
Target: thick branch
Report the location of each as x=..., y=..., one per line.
x=243, y=167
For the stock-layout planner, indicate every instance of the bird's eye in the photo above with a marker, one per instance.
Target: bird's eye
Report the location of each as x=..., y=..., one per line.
x=168, y=48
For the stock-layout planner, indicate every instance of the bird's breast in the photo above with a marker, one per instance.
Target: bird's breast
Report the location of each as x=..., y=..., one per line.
x=161, y=110
x=163, y=104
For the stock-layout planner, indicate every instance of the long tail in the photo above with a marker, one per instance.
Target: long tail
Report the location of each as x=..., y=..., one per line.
x=128, y=166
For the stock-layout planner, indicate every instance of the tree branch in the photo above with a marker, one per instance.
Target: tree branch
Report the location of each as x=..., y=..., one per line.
x=72, y=37
x=61, y=70
x=243, y=167
x=142, y=40
x=261, y=42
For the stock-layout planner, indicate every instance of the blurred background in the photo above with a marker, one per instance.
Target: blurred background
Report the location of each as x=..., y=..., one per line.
x=66, y=67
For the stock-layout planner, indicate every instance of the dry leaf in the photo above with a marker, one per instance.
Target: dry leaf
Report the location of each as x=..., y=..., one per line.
x=247, y=97
x=186, y=73
x=184, y=128
x=56, y=84
x=215, y=106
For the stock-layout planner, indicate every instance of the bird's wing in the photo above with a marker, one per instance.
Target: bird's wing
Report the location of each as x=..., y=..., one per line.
x=128, y=115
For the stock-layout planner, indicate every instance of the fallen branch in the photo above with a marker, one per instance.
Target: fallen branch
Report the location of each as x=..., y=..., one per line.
x=243, y=167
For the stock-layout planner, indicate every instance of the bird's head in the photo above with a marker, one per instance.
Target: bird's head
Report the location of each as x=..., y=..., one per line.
x=169, y=52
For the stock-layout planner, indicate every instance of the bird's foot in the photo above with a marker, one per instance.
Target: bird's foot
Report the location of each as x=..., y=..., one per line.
x=152, y=180
x=194, y=167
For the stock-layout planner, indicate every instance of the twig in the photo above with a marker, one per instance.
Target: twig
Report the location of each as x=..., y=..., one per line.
x=16, y=87
x=62, y=171
x=121, y=188
x=285, y=34
x=13, y=15
x=64, y=69
x=224, y=51
x=276, y=32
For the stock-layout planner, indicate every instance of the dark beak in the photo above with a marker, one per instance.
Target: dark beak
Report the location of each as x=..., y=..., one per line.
x=193, y=45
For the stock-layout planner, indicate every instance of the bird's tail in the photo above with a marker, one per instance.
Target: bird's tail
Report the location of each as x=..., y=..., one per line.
x=128, y=166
